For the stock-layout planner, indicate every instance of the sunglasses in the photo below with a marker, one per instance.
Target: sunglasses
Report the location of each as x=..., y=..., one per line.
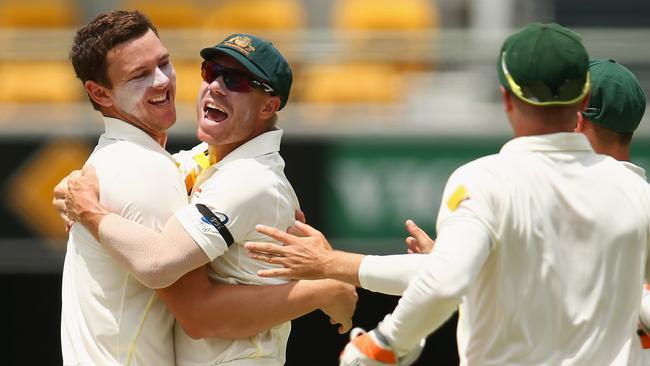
x=235, y=80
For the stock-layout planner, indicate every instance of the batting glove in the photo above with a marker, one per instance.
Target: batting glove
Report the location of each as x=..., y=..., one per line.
x=373, y=349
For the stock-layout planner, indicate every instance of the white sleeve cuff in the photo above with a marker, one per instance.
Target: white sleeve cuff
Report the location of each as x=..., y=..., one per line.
x=390, y=274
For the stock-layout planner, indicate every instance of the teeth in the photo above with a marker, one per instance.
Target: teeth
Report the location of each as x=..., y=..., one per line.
x=158, y=99
x=214, y=106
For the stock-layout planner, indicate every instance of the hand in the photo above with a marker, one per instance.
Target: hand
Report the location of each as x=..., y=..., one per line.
x=299, y=216
x=341, y=301
x=373, y=349
x=58, y=201
x=419, y=242
x=304, y=258
x=82, y=198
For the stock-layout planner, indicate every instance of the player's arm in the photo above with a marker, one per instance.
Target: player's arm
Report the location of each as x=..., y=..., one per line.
x=436, y=291
x=310, y=256
x=462, y=248
x=156, y=259
x=159, y=259
x=208, y=309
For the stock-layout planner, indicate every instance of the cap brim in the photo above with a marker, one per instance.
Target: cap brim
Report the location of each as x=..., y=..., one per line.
x=211, y=52
x=500, y=75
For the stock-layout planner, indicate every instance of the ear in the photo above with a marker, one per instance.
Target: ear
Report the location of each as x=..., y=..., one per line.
x=507, y=99
x=580, y=123
x=585, y=102
x=271, y=106
x=100, y=94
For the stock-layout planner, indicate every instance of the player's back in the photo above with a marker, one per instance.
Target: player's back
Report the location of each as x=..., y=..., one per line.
x=570, y=234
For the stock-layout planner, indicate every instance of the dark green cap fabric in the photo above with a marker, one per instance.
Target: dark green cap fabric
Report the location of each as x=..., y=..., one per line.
x=258, y=56
x=617, y=101
x=544, y=64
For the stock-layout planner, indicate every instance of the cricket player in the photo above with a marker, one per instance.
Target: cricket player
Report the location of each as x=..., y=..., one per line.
x=245, y=82
x=111, y=316
x=539, y=244
x=615, y=110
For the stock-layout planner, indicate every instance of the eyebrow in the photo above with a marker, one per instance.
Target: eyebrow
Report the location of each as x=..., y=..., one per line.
x=139, y=69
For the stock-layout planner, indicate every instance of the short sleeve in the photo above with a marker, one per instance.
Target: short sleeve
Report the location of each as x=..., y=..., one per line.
x=239, y=202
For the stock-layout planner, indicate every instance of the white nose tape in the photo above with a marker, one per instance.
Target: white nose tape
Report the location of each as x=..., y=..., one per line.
x=160, y=79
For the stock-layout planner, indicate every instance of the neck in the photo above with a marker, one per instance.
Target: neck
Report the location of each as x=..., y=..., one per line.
x=159, y=137
x=618, y=152
x=532, y=128
x=216, y=153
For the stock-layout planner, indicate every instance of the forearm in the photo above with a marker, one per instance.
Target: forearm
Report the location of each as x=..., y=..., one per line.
x=433, y=295
x=207, y=309
x=155, y=259
x=344, y=266
x=390, y=274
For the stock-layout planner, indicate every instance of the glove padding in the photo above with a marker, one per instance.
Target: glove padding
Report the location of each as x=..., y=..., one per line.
x=373, y=349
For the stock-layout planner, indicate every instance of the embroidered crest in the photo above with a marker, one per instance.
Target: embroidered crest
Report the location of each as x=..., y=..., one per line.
x=241, y=43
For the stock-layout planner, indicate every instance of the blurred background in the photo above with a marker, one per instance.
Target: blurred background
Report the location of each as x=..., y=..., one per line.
x=389, y=97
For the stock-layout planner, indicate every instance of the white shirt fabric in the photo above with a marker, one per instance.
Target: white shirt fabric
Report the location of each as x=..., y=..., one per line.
x=108, y=317
x=565, y=239
x=246, y=188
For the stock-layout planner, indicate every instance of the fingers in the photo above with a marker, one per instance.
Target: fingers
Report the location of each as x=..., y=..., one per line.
x=415, y=230
x=88, y=169
x=262, y=248
x=300, y=216
x=344, y=326
x=413, y=246
x=310, y=231
x=274, y=233
x=275, y=272
x=293, y=230
x=68, y=225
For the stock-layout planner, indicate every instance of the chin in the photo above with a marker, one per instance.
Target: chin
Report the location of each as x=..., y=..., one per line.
x=203, y=137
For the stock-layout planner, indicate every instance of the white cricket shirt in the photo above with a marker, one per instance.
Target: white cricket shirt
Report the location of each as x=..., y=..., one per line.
x=108, y=317
x=246, y=188
x=556, y=279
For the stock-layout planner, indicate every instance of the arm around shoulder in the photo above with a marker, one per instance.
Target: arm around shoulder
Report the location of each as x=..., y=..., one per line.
x=156, y=259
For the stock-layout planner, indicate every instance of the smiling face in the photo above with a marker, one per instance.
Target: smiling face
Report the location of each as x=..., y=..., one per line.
x=143, y=85
x=227, y=119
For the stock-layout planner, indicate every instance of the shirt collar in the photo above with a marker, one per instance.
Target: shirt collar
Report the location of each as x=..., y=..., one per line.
x=561, y=141
x=266, y=143
x=635, y=168
x=120, y=130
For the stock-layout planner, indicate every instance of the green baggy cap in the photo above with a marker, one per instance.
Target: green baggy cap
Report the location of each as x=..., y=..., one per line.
x=544, y=64
x=258, y=56
x=617, y=101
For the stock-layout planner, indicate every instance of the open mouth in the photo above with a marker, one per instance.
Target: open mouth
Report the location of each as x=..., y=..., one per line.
x=160, y=100
x=214, y=113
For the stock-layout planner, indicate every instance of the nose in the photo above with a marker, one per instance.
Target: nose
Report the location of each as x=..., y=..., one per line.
x=160, y=79
x=217, y=86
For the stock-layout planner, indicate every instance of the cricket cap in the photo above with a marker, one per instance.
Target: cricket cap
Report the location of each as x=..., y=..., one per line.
x=617, y=101
x=544, y=65
x=259, y=57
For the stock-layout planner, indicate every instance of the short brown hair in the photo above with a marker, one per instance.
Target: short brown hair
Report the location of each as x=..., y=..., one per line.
x=95, y=39
x=611, y=137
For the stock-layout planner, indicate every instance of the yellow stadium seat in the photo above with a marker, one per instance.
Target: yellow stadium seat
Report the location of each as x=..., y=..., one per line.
x=39, y=81
x=350, y=83
x=251, y=15
x=188, y=80
x=168, y=13
x=366, y=29
x=38, y=13
x=384, y=15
